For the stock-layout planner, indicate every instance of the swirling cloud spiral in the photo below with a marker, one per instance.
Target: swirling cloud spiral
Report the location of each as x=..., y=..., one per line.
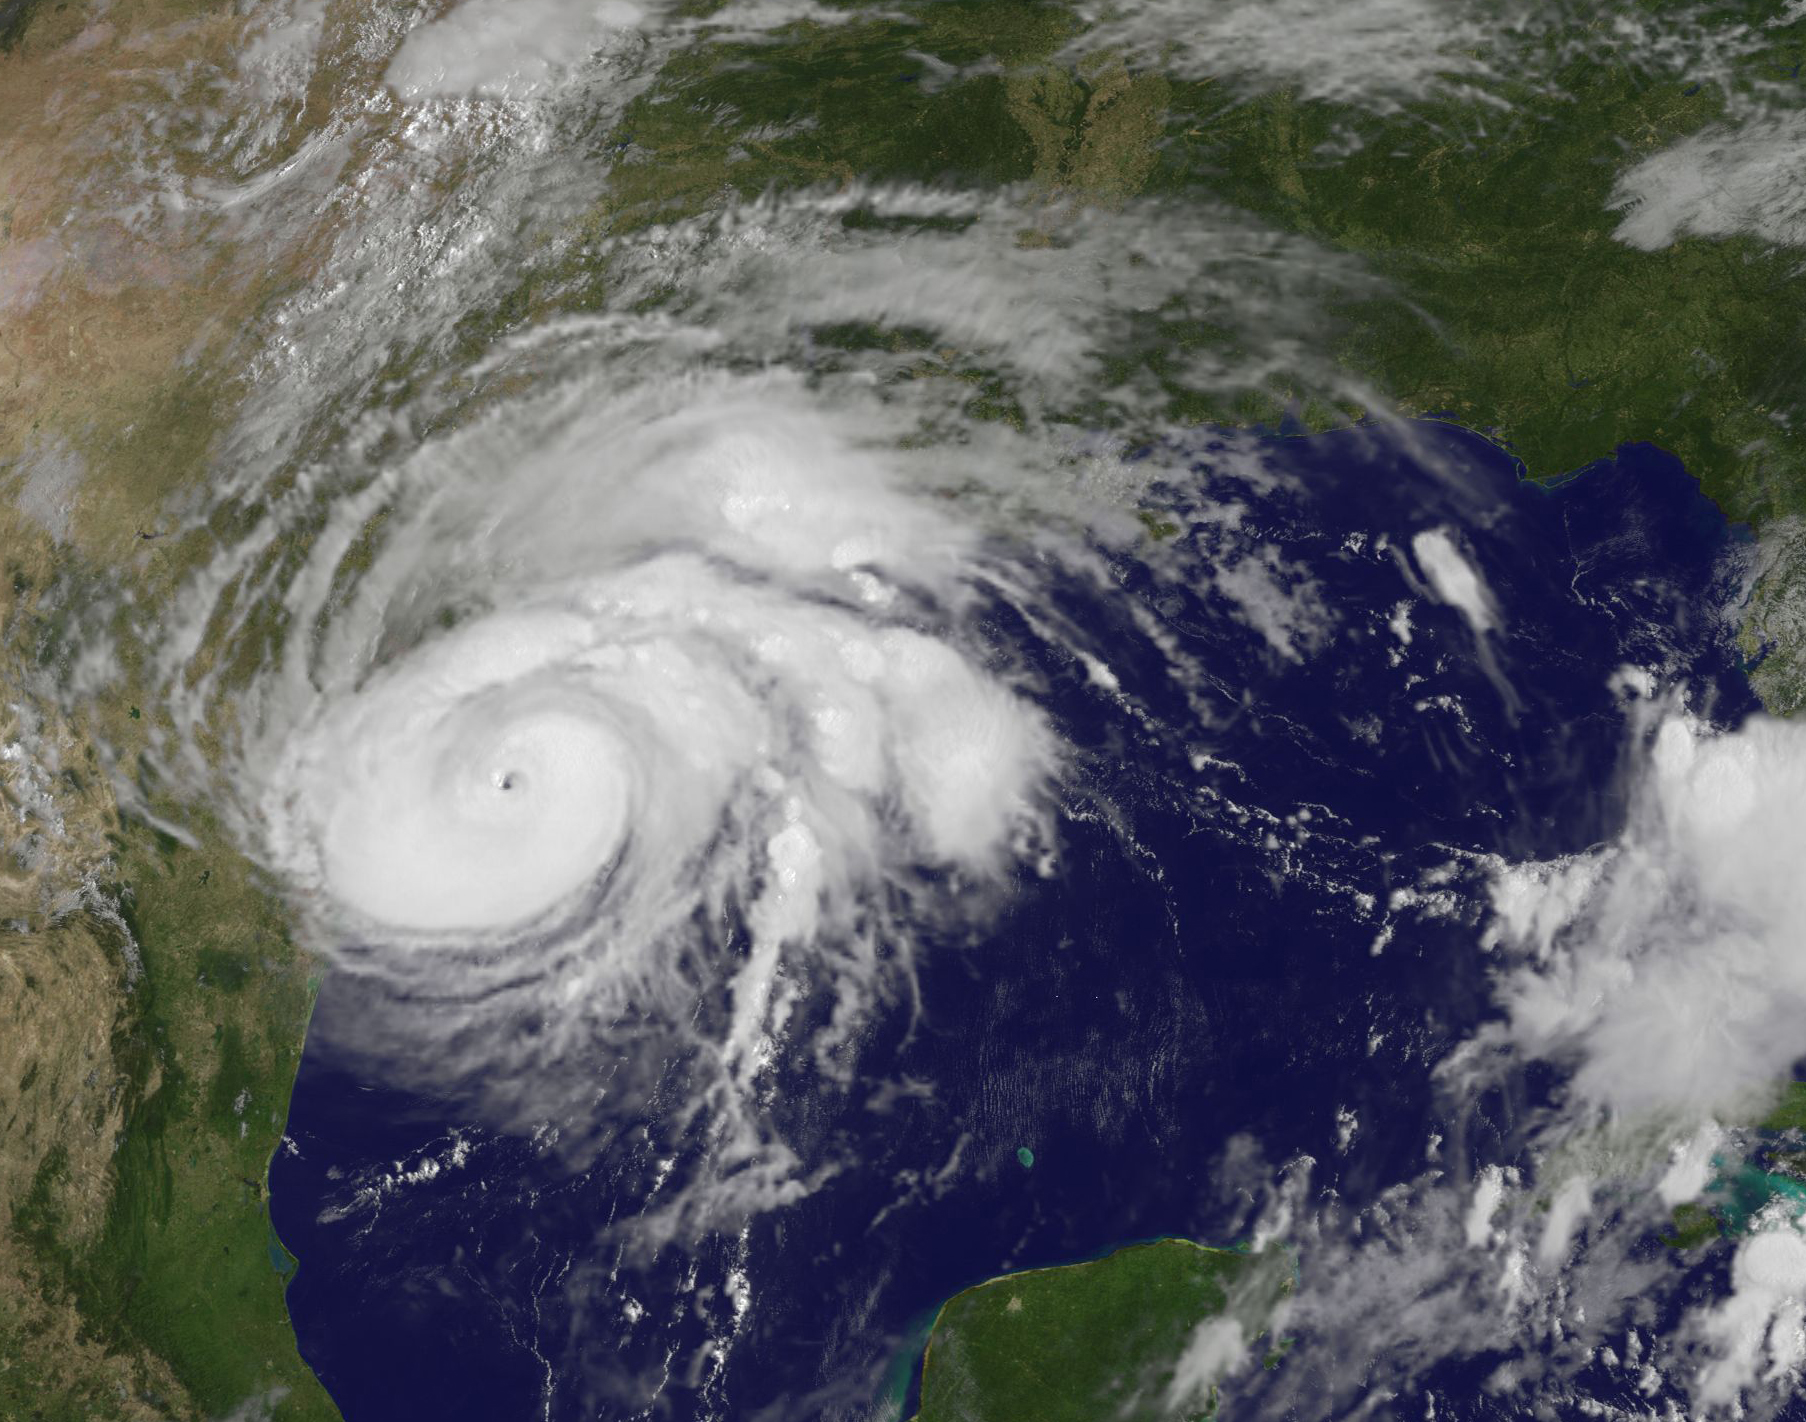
x=640, y=700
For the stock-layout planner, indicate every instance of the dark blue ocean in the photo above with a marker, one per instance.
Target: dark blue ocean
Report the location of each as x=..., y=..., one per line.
x=1194, y=997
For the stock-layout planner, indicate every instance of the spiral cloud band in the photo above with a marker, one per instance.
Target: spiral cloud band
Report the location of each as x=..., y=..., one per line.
x=633, y=703
x=696, y=704
x=472, y=800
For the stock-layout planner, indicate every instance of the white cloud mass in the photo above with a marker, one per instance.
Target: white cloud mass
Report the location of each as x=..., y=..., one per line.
x=1668, y=966
x=1743, y=181
x=504, y=48
x=1378, y=53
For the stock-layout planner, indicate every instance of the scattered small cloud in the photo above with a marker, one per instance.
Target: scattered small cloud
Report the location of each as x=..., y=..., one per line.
x=1277, y=599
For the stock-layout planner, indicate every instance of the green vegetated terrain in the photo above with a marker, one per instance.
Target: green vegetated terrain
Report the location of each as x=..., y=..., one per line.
x=1509, y=304
x=175, y=1290
x=1789, y=1113
x=152, y=1029
x=1082, y=1341
x=1506, y=302
x=1516, y=311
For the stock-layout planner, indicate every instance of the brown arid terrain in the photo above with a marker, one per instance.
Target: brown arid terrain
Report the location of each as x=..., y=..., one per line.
x=153, y=1007
x=154, y=1012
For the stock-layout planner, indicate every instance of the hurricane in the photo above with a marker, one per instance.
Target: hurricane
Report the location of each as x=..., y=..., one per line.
x=646, y=717
x=702, y=711
x=637, y=733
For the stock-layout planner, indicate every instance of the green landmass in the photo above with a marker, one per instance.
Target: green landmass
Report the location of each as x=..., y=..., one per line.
x=1788, y=1113
x=1505, y=301
x=1082, y=1341
x=153, y=1028
x=1509, y=304
x=1514, y=308
x=1692, y=1225
x=173, y=1292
